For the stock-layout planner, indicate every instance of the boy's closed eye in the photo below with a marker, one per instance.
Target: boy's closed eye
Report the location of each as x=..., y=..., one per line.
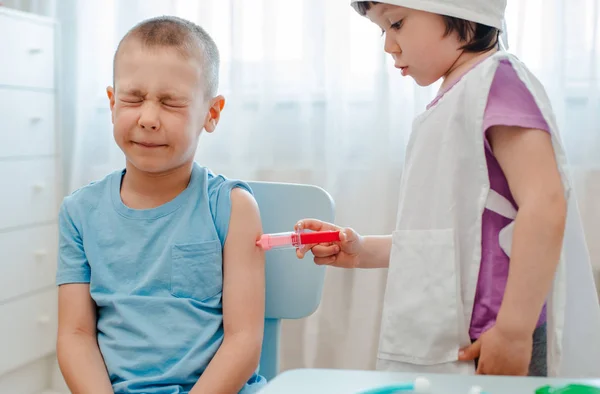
x=175, y=104
x=171, y=100
x=132, y=100
x=131, y=97
x=171, y=103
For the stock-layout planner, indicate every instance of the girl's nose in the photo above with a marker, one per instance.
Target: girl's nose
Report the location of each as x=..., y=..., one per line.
x=391, y=45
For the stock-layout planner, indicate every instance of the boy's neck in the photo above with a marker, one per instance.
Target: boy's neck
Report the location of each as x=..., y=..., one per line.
x=143, y=190
x=462, y=65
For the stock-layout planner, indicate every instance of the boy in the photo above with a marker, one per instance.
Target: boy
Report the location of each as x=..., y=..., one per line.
x=161, y=284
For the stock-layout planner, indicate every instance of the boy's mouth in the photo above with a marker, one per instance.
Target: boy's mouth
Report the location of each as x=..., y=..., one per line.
x=148, y=144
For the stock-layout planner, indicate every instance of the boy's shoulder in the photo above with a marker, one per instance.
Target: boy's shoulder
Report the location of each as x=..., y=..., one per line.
x=218, y=183
x=89, y=196
x=219, y=192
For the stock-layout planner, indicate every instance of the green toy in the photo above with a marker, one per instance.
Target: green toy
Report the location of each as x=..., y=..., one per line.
x=570, y=389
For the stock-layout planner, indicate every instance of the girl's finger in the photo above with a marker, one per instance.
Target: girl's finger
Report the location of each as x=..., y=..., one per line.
x=314, y=225
x=324, y=260
x=325, y=251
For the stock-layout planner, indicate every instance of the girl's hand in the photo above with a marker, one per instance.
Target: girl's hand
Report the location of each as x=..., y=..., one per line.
x=343, y=254
x=500, y=353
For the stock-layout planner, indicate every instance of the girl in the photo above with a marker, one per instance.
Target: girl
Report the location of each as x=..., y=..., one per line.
x=478, y=279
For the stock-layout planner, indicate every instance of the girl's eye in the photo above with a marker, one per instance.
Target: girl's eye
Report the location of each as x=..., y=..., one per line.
x=394, y=26
x=397, y=25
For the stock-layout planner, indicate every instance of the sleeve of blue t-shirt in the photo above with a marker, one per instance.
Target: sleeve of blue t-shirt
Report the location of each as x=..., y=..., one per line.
x=73, y=266
x=220, y=203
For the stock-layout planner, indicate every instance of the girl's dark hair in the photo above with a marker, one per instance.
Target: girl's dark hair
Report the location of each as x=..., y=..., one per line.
x=478, y=37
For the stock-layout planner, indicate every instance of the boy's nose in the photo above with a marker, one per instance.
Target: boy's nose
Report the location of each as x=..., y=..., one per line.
x=149, y=118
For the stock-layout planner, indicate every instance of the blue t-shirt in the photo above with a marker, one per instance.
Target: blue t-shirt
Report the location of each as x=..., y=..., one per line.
x=156, y=277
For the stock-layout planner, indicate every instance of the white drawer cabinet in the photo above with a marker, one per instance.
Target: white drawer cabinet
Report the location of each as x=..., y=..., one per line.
x=27, y=123
x=29, y=379
x=27, y=261
x=29, y=331
x=27, y=50
x=30, y=194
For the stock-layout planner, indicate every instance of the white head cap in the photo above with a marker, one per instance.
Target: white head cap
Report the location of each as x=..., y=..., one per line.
x=486, y=12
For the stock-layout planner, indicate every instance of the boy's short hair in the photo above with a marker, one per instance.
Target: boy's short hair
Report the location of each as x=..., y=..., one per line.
x=186, y=37
x=482, y=38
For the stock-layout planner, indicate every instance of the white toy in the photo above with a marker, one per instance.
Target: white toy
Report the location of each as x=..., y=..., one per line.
x=476, y=390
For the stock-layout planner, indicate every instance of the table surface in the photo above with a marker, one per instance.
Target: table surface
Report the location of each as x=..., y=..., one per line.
x=313, y=381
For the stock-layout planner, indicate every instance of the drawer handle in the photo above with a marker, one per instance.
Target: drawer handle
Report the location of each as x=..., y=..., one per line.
x=35, y=50
x=38, y=187
x=40, y=254
x=36, y=119
x=43, y=319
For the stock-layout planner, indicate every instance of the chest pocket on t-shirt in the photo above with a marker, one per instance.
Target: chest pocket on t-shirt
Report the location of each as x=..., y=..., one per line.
x=196, y=270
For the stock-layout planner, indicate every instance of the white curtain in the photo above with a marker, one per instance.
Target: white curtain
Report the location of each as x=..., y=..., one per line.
x=312, y=98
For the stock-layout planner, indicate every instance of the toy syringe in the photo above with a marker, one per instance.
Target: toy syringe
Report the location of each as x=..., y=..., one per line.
x=295, y=239
x=420, y=385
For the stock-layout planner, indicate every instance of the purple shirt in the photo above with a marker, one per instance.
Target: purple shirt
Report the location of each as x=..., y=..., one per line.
x=509, y=104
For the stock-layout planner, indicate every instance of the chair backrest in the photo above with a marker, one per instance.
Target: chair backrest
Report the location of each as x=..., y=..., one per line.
x=293, y=286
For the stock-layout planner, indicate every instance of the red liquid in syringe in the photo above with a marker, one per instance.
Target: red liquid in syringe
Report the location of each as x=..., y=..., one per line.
x=296, y=239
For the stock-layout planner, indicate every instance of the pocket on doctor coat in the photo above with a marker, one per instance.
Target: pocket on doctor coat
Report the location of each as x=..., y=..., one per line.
x=420, y=315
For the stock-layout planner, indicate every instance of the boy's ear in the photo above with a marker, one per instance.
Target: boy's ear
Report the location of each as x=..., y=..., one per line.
x=214, y=113
x=110, y=92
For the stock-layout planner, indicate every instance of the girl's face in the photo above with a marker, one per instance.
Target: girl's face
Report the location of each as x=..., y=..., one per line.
x=417, y=41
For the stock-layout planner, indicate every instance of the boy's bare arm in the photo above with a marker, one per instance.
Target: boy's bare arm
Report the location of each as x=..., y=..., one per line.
x=243, y=301
x=77, y=349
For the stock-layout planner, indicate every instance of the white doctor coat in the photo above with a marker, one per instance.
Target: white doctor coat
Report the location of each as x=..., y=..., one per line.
x=436, y=248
